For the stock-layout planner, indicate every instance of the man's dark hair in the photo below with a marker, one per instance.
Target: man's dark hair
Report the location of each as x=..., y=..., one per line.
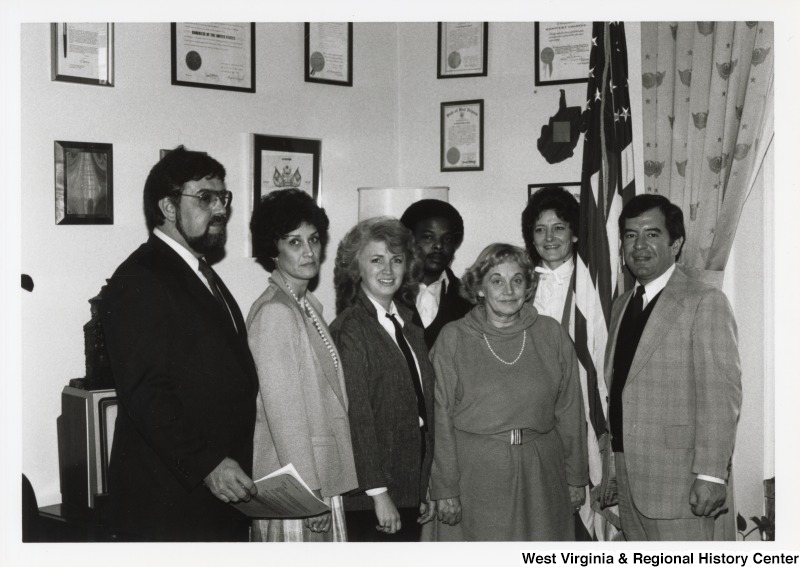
x=432, y=208
x=167, y=177
x=278, y=214
x=647, y=201
x=556, y=199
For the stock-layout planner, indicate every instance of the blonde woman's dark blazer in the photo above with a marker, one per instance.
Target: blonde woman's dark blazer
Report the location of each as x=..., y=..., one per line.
x=301, y=416
x=384, y=422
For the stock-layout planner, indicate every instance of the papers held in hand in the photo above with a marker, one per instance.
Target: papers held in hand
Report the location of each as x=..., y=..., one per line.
x=283, y=494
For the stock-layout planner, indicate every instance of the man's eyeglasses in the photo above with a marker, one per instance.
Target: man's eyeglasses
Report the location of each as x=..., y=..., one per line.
x=208, y=199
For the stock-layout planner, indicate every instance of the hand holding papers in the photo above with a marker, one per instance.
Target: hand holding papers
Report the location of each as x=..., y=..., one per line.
x=283, y=494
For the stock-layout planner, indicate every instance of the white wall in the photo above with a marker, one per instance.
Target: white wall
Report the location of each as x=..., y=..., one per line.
x=491, y=201
x=141, y=114
x=382, y=131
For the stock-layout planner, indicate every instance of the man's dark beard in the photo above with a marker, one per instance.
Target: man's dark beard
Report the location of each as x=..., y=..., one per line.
x=206, y=243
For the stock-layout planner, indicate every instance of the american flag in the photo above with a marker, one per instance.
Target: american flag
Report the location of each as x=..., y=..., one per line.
x=606, y=184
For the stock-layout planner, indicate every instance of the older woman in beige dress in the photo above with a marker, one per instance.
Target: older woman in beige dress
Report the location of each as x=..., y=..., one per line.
x=510, y=453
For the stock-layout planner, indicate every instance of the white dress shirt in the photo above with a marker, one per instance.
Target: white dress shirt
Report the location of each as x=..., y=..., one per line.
x=428, y=299
x=194, y=263
x=187, y=256
x=553, y=288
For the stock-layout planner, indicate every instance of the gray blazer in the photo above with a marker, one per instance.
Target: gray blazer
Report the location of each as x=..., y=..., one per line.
x=301, y=414
x=383, y=405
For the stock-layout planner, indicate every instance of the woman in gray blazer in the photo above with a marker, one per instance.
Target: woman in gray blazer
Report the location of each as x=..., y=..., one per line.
x=389, y=381
x=302, y=403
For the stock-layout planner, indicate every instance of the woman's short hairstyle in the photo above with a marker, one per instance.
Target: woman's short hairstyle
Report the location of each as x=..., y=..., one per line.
x=398, y=239
x=556, y=199
x=167, y=177
x=491, y=256
x=278, y=214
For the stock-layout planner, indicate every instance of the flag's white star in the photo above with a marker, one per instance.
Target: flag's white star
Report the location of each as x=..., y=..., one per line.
x=591, y=72
x=594, y=41
x=625, y=113
x=597, y=94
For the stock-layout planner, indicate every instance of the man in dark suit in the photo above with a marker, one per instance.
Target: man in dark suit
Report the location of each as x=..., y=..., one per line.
x=187, y=385
x=438, y=230
x=673, y=374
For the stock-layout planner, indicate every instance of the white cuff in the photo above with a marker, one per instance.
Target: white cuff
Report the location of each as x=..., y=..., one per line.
x=710, y=478
x=376, y=491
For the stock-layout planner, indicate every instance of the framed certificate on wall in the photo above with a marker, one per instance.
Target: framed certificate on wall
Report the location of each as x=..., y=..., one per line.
x=562, y=52
x=329, y=53
x=463, y=49
x=462, y=136
x=280, y=162
x=214, y=55
x=83, y=53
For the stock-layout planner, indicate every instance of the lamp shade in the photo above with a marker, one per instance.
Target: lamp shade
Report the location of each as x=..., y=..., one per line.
x=392, y=201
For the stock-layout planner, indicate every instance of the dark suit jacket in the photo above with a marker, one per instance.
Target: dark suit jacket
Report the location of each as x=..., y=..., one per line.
x=451, y=308
x=187, y=387
x=384, y=423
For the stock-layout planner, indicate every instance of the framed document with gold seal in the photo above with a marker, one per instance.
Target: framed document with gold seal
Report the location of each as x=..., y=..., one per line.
x=462, y=136
x=214, y=55
x=329, y=53
x=463, y=49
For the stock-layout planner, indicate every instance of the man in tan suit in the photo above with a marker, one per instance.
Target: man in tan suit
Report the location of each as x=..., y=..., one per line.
x=674, y=381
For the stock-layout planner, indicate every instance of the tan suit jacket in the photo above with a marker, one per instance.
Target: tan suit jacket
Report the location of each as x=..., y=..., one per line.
x=301, y=415
x=682, y=397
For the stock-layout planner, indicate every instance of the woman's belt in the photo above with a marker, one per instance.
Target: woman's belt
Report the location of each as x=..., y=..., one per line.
x=518, y=436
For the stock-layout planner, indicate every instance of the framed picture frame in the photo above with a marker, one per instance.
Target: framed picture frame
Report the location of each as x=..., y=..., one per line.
x=462, y=135
x=329, y=53
x=562, y=52
x=214, y=55
x=84, y=187
x=281, y=163
x=462, y=50
x=572, y=187
x=82, y=53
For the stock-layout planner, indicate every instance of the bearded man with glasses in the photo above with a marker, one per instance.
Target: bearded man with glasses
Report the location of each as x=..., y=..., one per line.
x=185, y=378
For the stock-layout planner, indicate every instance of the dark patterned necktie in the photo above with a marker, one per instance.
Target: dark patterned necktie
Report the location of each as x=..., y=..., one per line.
x=213, y=279
x=412, y=367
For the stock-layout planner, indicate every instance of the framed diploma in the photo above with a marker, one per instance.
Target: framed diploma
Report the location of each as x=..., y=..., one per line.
x=83, y=180
x=214, y=55
x=572, y=187
x=329, y=53
x=462, y=136
x=463, y=49
x=284, y=163
x=83, y=53
x=562, y=52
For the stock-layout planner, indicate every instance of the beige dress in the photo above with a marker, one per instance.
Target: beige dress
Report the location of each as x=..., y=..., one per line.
x=508, y=492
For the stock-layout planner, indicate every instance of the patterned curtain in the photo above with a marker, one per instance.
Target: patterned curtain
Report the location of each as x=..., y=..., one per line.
x=707, y=115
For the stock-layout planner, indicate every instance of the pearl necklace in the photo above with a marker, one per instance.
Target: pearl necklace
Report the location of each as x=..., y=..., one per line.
x=310, y=312
x=500, y=359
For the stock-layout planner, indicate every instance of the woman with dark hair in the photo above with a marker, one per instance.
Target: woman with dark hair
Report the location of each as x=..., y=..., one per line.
x=510, y=458
x=389, y=381
x=550, y=231
x=302, y=401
